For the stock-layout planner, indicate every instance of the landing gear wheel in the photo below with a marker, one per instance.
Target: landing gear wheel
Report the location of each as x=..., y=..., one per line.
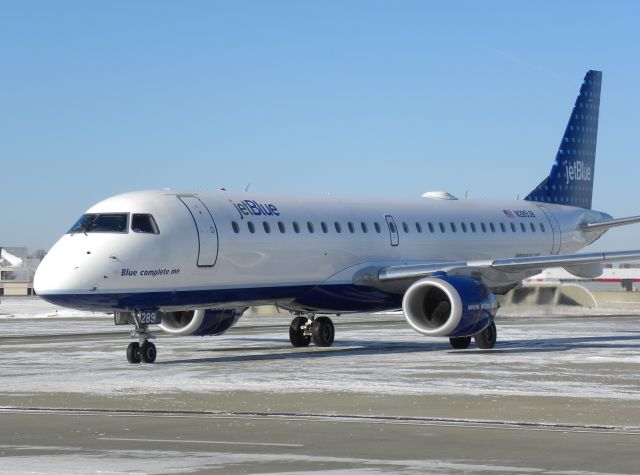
x=486, y=339
x=296, y=332
x=323, y=331
x=460, y=343
x=133, y=353
x=148, y=352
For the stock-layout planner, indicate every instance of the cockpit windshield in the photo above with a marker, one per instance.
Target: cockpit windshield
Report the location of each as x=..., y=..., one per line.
x=101, y=223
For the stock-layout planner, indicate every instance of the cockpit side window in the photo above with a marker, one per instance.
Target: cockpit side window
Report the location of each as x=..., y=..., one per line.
x=144, y=223
x=101, y=223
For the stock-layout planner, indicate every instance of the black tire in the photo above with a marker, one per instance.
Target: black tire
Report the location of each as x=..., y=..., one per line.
x=323, y=331
x=148, y=352
x=296, y=332
x=487, y=338
x=133, y=352
x=460, y=343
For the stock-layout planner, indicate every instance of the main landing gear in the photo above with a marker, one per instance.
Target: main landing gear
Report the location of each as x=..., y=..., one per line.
x=142, y=350
x=485, y=340
x=305, y=328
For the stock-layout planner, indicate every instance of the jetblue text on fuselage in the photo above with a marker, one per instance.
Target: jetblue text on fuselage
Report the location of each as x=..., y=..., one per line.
x=577, y=171
x=253, y=208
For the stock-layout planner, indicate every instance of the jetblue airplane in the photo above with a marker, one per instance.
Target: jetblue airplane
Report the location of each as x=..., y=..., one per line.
x=192, y=263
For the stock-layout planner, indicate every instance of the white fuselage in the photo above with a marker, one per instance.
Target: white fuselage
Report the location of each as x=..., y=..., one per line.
x=302, y=253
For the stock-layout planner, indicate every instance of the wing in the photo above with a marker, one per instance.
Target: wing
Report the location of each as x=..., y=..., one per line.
x=590, y=263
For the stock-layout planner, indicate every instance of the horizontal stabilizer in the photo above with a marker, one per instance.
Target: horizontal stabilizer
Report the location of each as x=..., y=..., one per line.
x=610, y=223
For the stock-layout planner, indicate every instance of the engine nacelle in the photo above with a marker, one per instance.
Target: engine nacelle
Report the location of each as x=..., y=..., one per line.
x=450, y=306
x=214, y=321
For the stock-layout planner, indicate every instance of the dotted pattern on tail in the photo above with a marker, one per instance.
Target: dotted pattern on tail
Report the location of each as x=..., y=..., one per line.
x=570, y=181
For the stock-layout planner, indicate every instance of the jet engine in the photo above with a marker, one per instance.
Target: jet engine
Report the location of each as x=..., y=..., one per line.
x=452, y=306
x=214, y=321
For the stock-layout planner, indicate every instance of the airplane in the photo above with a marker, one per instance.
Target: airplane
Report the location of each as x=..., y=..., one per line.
x=191, y=263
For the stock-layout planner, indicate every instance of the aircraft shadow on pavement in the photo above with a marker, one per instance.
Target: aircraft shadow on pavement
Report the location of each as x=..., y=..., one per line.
x=631, y=341
x=376, y=347
x=343, y=348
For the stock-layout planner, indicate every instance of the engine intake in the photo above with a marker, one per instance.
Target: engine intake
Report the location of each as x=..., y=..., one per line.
x=215, y=321
x=450, y=306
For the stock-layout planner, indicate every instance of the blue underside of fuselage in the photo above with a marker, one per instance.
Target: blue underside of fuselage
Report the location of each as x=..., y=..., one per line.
x=322, y=298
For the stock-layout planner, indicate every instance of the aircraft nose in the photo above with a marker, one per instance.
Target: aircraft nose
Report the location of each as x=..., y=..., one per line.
x=47, y=279
x=58, y=272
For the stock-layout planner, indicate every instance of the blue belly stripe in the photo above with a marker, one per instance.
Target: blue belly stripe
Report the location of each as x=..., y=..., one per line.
x=327, y=298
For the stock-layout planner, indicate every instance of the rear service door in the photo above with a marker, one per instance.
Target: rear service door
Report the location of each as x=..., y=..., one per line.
x=555, y=228
x=206, y=229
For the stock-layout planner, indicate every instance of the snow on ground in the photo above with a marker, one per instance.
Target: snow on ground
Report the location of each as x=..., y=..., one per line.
x=34, y=308
x=583, y=356
x=174, y=462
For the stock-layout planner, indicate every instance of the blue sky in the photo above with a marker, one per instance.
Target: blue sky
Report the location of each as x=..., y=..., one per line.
x=349, y=98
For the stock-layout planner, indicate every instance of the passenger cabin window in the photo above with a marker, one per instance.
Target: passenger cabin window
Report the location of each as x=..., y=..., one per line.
x=473, y=227
x=101, y=223
x=453, y=227
x=542, y=228
x=513, y=227
x=405, y=227
x=378, y=228
x=363, y=225
x=351, y=228
x=484, y=227
x=431, y=228
x=267, y=228
x=493, y=227
x=503, y=227
x=338, y=227
x=144, y=223
x=441, y=227
x=523, y=227
x=251, y=226
x=325, y=228
x=281, y=227
x=533, y=227
x=464, y=227
x=296, y=227
x=418, y=227
x=236, y=228
x=310, y=226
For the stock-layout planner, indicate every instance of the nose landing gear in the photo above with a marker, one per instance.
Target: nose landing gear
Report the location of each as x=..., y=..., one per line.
x=142, y=350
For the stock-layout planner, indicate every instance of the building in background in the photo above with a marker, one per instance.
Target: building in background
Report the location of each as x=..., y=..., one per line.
x=613, y=277
x=17, y=269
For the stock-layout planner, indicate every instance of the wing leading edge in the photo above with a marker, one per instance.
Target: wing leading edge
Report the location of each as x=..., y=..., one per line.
x=513, y=265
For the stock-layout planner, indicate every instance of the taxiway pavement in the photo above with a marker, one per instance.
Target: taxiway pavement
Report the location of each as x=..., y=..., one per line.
x=560, y=393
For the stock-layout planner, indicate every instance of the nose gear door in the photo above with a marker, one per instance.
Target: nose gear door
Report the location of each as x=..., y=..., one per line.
x=206, y=228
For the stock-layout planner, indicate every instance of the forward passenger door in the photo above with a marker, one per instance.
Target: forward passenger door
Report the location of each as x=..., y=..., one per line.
x=206, y=229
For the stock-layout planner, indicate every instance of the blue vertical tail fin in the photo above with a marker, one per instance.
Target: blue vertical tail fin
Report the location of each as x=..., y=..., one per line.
x=570, y=181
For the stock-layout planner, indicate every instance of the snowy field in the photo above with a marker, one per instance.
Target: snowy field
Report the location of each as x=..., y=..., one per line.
x=570, y=354
x=560, y=393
